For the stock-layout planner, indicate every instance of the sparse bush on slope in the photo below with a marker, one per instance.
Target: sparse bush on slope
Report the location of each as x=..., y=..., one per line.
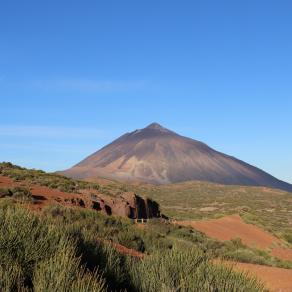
x=5, y=192
x=19, y=194
x=40, y=177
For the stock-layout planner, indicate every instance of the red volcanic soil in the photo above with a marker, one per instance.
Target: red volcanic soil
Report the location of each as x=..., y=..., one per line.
x=282, y=253
x=127, y=251
x=231, y=227
x=43, y=196
x=275, y=279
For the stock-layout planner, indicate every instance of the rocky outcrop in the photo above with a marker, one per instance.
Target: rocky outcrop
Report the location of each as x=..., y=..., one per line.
x=127, y=204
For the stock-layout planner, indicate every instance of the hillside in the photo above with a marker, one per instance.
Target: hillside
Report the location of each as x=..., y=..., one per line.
x=55, y=230
x=269, y=208
x=65, y=246
x=159, y=156
x=42, y=190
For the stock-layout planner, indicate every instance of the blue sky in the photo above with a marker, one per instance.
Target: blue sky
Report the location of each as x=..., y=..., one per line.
x=74, y=75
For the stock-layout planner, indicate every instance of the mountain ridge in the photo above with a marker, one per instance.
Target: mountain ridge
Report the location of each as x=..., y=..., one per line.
x=158, y=155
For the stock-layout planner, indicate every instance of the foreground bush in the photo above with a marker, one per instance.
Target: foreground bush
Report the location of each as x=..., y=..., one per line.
x=36, y=255
x=63, y=250
x=190, y=270
x=63, y=272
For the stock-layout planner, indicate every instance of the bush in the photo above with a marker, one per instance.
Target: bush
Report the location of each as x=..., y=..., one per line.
x=63, y=272
x=188, y=270
x=33, y=253
x=288, y=237
x=18, y=193
x=4, y=192
x=22, y=193
x=246, y=256
x=130, y=239
x=11, y=278
x=66, y=250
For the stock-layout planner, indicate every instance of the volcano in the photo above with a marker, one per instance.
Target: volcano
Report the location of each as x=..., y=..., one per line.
x=160, y=156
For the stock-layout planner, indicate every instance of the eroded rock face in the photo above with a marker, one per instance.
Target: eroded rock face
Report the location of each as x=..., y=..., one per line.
x=76, y=202
x=126, y=205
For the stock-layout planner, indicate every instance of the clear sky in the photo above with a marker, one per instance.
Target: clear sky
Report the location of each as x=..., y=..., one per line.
x=74, y=75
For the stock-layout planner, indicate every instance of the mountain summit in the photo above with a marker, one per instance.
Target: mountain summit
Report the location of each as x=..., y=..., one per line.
x=156, y=126
x=160, y=156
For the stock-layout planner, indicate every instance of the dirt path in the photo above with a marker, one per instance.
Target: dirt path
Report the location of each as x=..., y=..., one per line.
x=231, y=227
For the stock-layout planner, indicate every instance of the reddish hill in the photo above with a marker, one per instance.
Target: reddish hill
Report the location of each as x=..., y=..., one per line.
x=160, y=156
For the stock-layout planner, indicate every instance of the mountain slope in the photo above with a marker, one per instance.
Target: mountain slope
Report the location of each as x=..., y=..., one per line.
x=158, y=155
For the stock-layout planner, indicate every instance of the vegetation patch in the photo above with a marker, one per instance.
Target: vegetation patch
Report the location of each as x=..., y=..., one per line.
x=59, y=250
x=17, y=193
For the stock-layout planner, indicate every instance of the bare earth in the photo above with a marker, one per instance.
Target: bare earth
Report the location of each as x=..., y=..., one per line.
x=282, y=253
x=275, y=279
x=128, y=251
x=231, y=227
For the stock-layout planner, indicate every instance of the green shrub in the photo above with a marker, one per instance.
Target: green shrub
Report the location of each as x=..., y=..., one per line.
x=33, y=252
x=130, y=239
x=18, y=193
x=11, y=278
x=187, y=270
x=25, y=240
x=288, y=237
x=67, y=249
x=21, y=193
x=4, y=192
x=63, y=272
x=246, y=256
